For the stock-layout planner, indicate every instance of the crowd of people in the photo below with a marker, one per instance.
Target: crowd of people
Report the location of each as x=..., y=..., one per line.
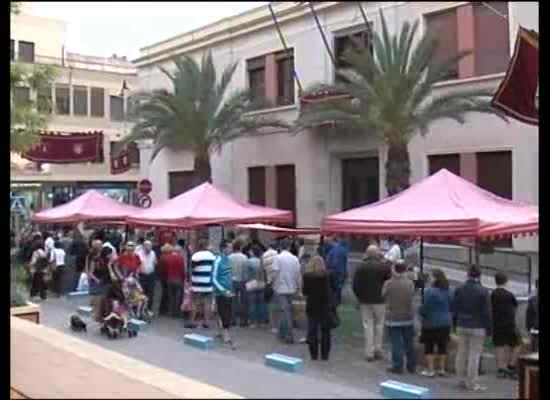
x=243, y=283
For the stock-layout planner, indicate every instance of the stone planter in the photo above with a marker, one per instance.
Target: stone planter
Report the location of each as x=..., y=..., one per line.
x=30, y=312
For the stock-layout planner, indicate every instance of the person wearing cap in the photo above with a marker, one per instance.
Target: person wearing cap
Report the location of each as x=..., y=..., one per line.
x=368, y=281
x=398, y=293
x=471, y=306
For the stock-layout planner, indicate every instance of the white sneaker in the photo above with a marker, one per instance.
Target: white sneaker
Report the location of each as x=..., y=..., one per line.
x=226, y=337
x=252, y=326
x=274, y=331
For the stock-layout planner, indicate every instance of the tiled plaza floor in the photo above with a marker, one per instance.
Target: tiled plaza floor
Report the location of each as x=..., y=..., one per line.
x=242, y=371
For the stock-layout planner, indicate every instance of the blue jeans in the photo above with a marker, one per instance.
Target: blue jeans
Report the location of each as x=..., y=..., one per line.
x=337, y=281
x=402, y=341
x=240, y=303
x=316, y=326
x=257, y=307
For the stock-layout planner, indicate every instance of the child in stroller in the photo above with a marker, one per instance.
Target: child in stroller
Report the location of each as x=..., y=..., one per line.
x=113, y=312
x=136, y=299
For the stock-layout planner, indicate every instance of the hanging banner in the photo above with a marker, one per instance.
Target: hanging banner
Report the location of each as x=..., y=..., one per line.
x=517, y=93
x=67, y=148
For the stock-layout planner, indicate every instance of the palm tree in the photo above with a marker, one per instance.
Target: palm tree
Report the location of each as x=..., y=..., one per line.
x=197, y=114
x=393, y=96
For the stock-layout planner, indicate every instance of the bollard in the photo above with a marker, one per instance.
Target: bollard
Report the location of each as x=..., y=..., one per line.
x=284, y=363
x=198, y=341
x=398, y=390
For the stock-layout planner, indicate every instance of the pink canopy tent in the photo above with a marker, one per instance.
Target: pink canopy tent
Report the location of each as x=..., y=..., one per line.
x=443, y=206
x=281, y=230
x=206, y=205
x=91, y=206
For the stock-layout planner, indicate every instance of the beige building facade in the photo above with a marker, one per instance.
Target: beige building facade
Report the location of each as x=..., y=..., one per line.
x=335, y=173
x=85, y=97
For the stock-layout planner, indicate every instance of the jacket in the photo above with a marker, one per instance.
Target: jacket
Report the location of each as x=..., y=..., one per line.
x=398, y=292
x=268, y=259
x=369, y=279
x=532, y=314
x=471, y=306
x=436, y=308
x=287, y=269
x=238, y=265
x=222, y=275
x=316, y=289
x=337, y=259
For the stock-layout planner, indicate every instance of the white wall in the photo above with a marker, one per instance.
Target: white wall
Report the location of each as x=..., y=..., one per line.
x=316, y=158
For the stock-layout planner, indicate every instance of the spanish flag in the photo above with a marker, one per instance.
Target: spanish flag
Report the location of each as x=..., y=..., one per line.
x=516, y=95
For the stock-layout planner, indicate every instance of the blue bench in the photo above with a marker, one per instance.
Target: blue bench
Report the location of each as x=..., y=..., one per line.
x=85, y=311
x=398, y=390
x=198, y=341
x=284, y=363
x=78, y=294
x=137, y=325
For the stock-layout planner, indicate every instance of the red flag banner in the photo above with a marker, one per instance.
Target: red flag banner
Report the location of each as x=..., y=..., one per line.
x=67, y=148
x=120, y=162
x=516, y=93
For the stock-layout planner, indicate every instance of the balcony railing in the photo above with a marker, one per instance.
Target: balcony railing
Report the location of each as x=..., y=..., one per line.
x=85, y=62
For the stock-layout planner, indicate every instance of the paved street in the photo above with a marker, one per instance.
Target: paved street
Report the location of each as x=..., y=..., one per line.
x=241, y=371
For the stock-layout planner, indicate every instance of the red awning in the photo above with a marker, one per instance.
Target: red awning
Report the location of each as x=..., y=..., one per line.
x=442, y=206
x=281, y=230
x=206, y=205
x=91, y=206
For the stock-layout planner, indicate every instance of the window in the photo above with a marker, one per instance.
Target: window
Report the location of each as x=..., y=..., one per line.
x=444, y=26
x=494, y=173
x=97, y=102
x=44, y=100
x=26, y=52
x=62, y=100
x=285, y=77
x=492, y=38
x=80, y=100
x=256, y=78
x=117, y=108
x=286, y=188
x=256, y=186
x=12, y=50
x=21, y=95
x=133, y=153
x=180, y=182
x=348, y=42
x=451, y=162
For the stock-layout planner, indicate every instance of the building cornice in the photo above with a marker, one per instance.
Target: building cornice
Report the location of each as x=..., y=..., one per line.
x=225, y=29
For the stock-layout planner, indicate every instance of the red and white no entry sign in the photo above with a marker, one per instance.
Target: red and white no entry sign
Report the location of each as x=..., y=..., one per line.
x=145, y=186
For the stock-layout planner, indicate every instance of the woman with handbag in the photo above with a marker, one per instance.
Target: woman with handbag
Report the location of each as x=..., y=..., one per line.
x=320, y=309
x=255, y=285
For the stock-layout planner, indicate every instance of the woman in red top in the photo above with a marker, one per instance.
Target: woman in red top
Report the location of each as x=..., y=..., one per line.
x=172, y=269
x=129, y=262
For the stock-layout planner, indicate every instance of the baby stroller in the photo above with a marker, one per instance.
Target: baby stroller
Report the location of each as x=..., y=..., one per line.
x=113, y=314
x=136, y=300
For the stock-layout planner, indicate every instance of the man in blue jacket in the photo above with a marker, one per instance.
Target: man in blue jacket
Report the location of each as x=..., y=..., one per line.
x=471, y=307
x=337, y=265
x=222, y=281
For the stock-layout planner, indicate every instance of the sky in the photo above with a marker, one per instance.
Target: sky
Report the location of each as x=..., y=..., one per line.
x=122, y=28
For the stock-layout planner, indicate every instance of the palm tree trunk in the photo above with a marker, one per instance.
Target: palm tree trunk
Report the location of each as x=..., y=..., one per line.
x=202, y=170
x=398, y=168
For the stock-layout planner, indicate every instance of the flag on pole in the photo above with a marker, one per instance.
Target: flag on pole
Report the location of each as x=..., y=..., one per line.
x=516, y=95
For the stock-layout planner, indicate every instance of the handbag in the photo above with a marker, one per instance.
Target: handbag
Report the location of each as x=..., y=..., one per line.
x=268, y=289
x=252, y=285
x=333, y=318
x=187, y=303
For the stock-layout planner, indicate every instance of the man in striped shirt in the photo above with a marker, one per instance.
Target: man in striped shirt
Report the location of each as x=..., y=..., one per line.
x=202, y=264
